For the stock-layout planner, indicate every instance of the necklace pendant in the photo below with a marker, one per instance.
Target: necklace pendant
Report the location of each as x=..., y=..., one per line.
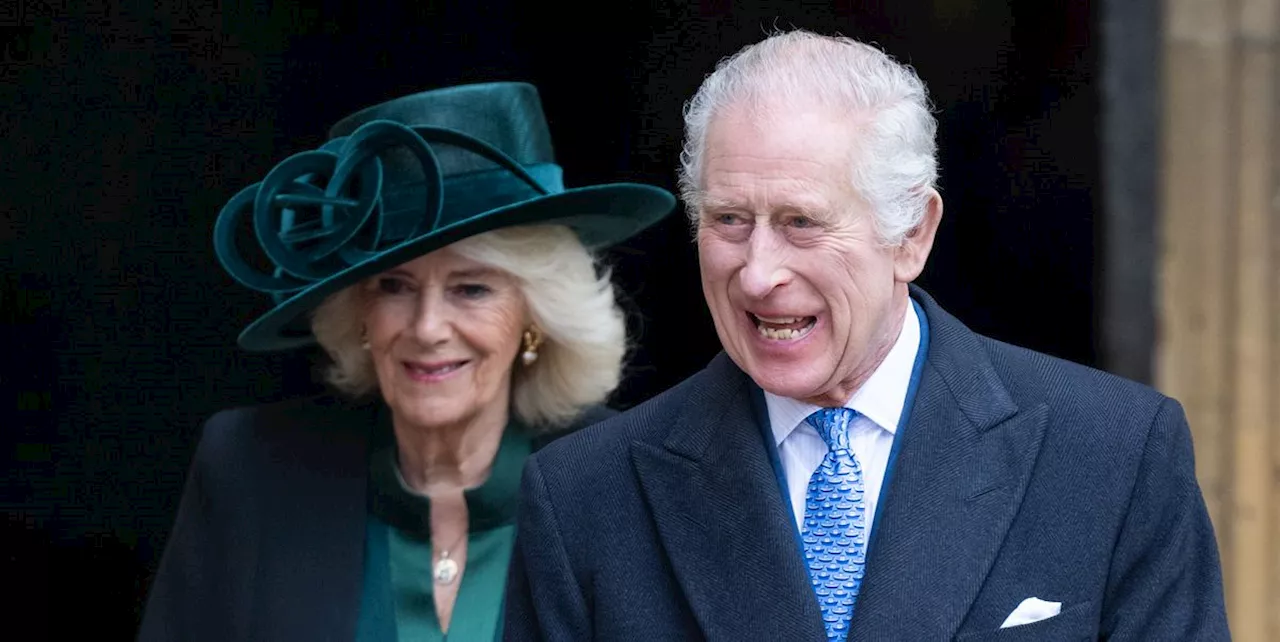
x=445, y=570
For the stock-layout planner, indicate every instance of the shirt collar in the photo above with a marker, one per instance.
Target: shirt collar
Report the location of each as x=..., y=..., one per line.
x=880, y=399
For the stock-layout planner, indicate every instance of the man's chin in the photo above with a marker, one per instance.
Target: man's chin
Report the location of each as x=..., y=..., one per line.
x=785, y=377
x=793, y=386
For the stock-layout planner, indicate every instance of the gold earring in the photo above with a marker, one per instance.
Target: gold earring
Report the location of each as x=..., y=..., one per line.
x=532, y=340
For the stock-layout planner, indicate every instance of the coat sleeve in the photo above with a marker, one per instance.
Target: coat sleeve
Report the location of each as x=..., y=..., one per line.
x=544, y=601
x=1166, y=579
x=194, y=595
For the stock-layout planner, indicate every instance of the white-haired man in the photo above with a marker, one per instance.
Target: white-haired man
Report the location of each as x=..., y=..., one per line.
x=857, y=465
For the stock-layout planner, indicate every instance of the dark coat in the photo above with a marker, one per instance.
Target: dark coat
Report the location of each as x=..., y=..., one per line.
x=1020, y=475
x=269, y=539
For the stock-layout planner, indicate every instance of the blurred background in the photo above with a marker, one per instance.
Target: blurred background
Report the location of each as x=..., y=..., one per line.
x=1109, y=169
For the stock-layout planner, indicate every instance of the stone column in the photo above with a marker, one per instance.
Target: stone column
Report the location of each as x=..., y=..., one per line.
x=1218, y=310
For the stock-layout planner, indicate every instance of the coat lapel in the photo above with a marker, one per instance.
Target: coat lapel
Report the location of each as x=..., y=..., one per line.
x=720, y=517
x=963, y=467
x=312, y=561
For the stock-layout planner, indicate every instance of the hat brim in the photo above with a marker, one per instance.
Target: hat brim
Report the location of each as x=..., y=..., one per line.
x=601, y=215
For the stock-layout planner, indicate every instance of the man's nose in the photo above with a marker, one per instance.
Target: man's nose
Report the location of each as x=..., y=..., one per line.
x=765, y=268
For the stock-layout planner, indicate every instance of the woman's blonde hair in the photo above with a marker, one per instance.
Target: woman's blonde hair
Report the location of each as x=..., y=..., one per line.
x=571, y=301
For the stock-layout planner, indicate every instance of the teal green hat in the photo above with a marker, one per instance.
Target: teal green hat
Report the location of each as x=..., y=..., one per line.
x=404, y=178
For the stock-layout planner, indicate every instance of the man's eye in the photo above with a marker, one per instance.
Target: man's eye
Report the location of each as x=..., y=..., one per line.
x=802, y=222
x=728, y=219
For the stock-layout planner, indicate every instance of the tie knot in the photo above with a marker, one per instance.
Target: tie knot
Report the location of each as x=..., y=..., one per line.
x=833, y=426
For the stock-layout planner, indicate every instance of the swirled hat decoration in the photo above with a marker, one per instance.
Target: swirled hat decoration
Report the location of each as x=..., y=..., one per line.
x=402, y=179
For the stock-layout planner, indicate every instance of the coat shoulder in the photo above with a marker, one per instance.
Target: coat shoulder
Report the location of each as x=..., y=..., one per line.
x=1090, y=407
x=1027, y=372
x=241, y=435
x=599, y=451
x=589, y=416
x=240, y=422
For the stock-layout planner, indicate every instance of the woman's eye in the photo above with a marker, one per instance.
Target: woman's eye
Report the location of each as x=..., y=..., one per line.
x=387, y=285
x=802, y=222
x=728, y=219
x=473, y=290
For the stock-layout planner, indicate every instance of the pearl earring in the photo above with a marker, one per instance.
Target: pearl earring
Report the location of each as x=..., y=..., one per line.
x=532, y=340
x=364, y=340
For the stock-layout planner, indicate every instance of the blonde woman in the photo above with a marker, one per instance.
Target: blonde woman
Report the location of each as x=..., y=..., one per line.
x=431, y=250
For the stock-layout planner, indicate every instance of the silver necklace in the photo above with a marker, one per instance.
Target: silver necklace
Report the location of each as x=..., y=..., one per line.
x=445, y=570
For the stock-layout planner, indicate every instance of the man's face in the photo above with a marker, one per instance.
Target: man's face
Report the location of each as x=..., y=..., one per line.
x=805, y=298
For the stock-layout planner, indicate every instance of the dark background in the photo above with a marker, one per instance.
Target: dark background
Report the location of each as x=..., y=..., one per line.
x=126, y=126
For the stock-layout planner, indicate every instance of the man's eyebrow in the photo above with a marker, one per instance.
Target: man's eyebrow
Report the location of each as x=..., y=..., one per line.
x=720, y=203
x=809, y=209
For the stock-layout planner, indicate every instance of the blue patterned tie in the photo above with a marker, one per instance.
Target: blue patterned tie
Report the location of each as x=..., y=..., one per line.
x=835, y=540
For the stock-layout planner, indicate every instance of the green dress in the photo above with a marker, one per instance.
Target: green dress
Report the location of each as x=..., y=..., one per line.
x=397, y=604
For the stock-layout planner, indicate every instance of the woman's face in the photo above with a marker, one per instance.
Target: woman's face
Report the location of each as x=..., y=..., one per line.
x=443, y=332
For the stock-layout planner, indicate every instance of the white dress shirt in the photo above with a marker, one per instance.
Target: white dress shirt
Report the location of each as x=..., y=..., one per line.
x=879, y=403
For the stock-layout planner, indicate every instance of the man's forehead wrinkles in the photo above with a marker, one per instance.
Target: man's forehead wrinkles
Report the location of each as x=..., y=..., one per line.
x=772, y=158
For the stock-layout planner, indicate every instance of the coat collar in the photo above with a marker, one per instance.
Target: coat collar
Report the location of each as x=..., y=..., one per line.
x=721, y=518
x=963, y=466
x=314, y=489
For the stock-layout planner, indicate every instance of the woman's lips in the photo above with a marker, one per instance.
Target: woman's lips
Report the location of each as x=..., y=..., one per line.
x=433, y=371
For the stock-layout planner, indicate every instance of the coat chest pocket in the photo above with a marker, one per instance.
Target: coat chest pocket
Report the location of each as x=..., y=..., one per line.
x=1076, y=622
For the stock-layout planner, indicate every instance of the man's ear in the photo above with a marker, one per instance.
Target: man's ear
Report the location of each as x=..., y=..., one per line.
x=911, y=255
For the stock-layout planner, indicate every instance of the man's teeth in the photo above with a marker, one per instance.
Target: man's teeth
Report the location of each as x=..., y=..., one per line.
x=781, y=334
x=785, y=333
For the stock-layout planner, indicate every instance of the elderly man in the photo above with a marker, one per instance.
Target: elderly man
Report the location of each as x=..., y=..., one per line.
x=857, y=465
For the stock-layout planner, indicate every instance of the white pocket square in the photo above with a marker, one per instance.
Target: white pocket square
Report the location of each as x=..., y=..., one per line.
x=1032, y=609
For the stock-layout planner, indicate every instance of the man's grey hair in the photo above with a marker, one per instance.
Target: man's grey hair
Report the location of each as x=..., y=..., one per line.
x=896, y=165
x=570, y=297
